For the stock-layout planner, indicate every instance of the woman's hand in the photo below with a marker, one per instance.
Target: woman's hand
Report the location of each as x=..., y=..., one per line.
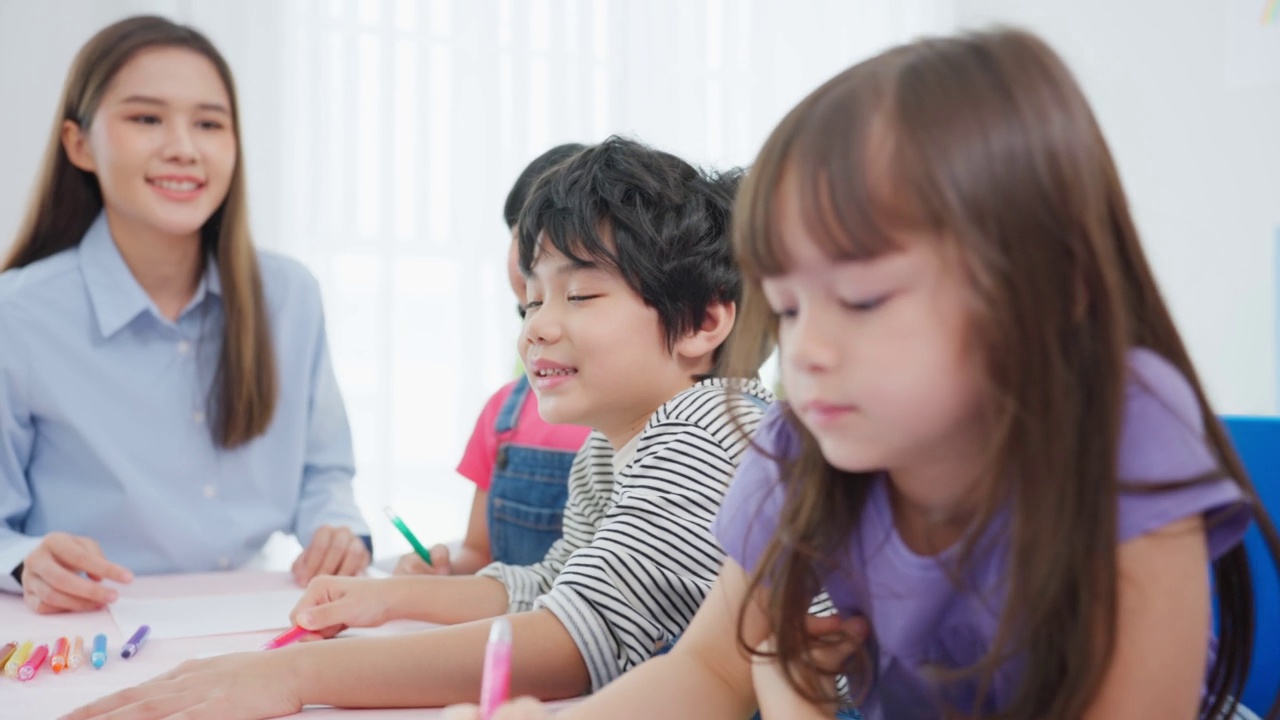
x=333, y=551
x=51, y=580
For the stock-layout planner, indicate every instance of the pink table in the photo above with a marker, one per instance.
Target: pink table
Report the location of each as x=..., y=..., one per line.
x=50, y=695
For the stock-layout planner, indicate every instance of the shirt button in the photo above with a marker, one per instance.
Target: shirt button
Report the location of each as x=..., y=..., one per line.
x=210, y=491
x=198, y=417
x=224, y=563
x=184, y=347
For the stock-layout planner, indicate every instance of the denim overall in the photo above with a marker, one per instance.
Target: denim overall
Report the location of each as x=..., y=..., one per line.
x=527, y=491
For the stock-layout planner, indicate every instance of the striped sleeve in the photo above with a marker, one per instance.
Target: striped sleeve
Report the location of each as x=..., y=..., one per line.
x=590, y=487
x=638, y=584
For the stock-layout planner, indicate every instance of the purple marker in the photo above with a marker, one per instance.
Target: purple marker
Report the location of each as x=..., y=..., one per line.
x=132, y=647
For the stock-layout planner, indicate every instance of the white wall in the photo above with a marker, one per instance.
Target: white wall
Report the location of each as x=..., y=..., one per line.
x=1200, y=157
x=1199, y=154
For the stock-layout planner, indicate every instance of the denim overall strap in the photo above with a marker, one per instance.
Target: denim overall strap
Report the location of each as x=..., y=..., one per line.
x=527, y=490
x=509, y=415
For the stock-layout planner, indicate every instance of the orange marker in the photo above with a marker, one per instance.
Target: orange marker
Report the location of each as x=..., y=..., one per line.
x=59, y=660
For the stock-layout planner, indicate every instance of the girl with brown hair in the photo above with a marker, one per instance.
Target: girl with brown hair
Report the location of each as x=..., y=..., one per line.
x=995, y=452
x=167, y=400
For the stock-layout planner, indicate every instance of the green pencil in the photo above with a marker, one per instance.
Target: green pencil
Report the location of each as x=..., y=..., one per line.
x=423, y=553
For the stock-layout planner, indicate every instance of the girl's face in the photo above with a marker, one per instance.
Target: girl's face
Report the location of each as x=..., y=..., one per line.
x=876, y=359
x=161, y=144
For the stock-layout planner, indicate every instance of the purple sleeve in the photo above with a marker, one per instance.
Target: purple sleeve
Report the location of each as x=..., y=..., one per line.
x=1162, y=441
x=749, y=514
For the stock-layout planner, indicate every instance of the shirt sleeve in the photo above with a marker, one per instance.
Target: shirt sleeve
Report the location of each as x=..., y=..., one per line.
x=17, y=436
x=1166, y=467
x=327, y=497
x=749, y=516
x=582, y=511
x=636, y=587
x=482, y=447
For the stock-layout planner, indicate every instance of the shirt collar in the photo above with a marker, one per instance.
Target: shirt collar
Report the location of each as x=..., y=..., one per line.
x=114, y=292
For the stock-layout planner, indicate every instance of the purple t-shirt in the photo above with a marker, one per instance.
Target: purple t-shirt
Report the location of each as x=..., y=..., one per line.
x=918, y=618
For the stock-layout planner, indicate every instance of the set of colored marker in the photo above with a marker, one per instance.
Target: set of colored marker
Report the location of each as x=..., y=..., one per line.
x=25, y=661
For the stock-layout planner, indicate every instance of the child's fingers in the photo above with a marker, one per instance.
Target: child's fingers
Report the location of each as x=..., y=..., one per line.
x=835, y=639
x=411, y=564
x=328, y=619
x=526, y=708
x=856, y=628
x=462, y=712
x=441, y=564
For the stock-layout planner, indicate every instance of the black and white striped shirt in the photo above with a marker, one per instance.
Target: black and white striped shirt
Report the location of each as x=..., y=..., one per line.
x=637, y=556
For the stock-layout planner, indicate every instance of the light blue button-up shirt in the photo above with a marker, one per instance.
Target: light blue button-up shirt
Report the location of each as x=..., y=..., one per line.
x=103, y=426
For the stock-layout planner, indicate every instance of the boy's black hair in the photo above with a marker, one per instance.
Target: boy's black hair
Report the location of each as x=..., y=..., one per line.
x=534, y=170
x=667, y=226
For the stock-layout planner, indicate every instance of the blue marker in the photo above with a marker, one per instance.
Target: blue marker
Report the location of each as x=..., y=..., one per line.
x=99, y=656
x=134, y=644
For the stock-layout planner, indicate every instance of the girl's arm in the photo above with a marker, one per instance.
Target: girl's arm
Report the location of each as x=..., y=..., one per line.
x=1162, y=626
x=425, y=669
x=706, y=675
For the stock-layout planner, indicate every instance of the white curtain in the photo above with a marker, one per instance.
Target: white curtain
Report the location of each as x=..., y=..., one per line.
x=381, y=137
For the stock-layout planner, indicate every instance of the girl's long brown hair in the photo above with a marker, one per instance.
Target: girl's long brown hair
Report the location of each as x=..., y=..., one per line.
x=67, y=199
x=986, y=140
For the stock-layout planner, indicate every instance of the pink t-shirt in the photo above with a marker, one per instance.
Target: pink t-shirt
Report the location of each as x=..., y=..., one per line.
x=530, y=430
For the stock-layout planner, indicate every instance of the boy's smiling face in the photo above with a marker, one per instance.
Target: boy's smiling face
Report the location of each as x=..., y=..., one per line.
x=595, y=353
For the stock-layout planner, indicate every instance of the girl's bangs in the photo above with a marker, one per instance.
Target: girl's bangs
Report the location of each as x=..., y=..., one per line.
x=836, y=155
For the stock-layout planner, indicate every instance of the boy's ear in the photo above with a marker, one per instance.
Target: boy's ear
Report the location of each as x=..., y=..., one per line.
x=717, y=323
x=76, y=145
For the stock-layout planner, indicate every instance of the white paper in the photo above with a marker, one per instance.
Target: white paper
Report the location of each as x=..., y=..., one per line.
x=199, y=616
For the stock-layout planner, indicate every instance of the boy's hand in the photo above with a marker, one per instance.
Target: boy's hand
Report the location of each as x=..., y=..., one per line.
x=332, y=604
x=411, y=564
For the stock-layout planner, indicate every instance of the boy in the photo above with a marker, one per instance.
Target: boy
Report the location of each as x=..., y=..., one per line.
x=632, y=290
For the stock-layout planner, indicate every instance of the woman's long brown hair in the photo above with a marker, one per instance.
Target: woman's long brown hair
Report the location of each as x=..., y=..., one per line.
x=986, y=140
x=67, y=199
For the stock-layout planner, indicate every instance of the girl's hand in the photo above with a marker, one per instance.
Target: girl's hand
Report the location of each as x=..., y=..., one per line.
x=523, y=709
x=51, y=580
x=333, y=551
x=411, y=564
x=249, y=686
x=834, y=641
x=333, y=604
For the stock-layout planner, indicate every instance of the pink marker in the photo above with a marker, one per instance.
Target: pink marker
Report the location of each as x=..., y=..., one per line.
x=32, y=665
x=288, y=637
x=497, y=668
